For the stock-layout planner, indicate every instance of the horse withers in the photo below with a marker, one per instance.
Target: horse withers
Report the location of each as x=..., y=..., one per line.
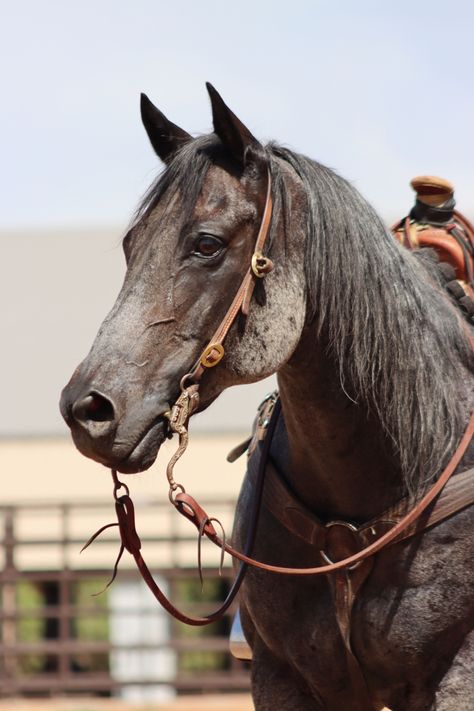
x=374, y=367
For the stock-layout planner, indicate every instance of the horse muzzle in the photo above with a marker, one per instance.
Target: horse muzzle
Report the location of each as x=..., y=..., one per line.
x=128, y=443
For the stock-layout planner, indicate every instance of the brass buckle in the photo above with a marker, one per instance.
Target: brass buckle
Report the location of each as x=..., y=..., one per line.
x=260, y=264
x=212, y=355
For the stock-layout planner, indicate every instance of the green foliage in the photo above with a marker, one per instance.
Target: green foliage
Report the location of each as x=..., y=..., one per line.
x=212, y=592
x=31, y=627
x=92, y=627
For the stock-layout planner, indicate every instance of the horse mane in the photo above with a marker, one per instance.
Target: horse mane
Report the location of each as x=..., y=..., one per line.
x=400, y=346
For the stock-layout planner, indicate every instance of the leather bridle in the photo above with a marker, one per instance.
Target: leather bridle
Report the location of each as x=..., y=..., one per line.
x=178, y=418
x=258, y=268
x=186, y=505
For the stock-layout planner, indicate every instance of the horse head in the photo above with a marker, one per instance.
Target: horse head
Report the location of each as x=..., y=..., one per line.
x=187, y=251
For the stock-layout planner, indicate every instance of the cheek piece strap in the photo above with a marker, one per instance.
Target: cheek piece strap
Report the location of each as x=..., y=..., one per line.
x=188, y=402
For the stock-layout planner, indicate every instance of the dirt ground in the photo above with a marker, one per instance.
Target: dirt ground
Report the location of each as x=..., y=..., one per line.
x=229, y=702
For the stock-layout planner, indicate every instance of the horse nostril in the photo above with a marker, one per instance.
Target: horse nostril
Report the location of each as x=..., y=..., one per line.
x=93, y=408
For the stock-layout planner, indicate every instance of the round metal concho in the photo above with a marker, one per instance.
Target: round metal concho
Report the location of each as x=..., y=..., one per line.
x=258, y=264
x=205, y=357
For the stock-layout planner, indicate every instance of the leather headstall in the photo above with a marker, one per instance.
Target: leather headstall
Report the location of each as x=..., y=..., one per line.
x=178, y=418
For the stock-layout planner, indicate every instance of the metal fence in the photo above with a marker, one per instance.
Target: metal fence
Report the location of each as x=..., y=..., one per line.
x=58, y=637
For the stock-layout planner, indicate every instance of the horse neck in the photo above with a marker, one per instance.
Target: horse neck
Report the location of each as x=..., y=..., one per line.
x=397, y=346
x=339, y=461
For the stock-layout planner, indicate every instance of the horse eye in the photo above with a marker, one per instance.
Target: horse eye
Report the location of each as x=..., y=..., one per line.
x=207, y=246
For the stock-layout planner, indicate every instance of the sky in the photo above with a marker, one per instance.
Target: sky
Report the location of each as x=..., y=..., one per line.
x=379, y=91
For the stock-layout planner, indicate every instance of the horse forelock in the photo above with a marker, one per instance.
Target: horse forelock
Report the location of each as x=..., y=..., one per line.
x=185, y=173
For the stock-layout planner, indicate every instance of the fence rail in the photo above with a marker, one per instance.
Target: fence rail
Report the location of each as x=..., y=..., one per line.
x=56, y=638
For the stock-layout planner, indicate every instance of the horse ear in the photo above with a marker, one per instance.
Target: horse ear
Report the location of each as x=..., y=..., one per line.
x=231, y=130
x=165, y=137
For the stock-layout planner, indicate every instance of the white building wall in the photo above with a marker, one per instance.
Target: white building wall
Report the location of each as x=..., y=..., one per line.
x=129, y=628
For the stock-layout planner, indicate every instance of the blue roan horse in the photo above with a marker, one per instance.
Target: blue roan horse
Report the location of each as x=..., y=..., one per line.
x=374, y=368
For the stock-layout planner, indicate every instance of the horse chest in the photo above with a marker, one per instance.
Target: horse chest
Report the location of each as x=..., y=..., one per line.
x=412, y=603
x=416, y=598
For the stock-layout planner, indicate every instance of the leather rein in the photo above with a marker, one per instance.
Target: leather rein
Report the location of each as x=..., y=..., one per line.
x=185, y=504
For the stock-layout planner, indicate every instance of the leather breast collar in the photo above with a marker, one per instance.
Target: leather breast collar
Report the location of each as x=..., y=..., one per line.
x=302, y=522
